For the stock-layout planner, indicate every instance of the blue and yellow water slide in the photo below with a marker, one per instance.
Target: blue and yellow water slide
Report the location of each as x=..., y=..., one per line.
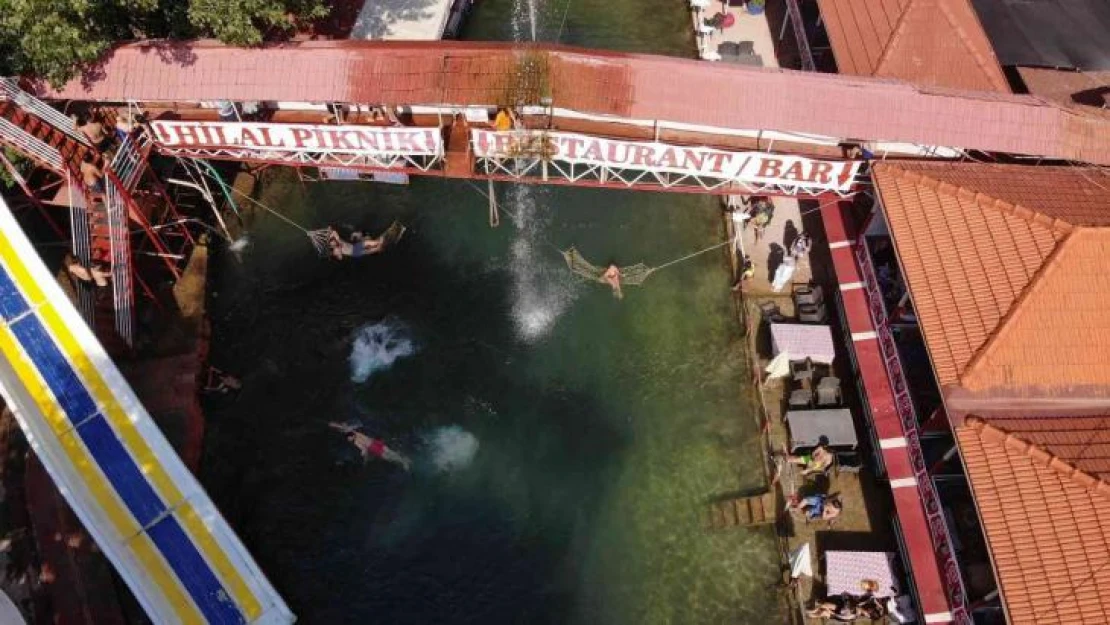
x=146, y=511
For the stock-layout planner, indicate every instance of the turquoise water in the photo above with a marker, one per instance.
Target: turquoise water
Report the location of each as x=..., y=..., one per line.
x=565, y=443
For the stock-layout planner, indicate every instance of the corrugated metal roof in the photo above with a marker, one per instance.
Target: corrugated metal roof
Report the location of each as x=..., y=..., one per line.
x=932, y=42
x=1048, y=33
x=625, y=85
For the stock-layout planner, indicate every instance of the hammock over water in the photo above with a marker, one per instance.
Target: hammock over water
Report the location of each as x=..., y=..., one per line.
x=633, y=275
x=321, y=239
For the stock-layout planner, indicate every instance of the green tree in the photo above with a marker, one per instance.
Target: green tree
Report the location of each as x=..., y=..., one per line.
x=54, y=39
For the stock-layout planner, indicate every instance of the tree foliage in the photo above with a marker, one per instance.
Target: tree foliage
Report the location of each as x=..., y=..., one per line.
x=54, y=39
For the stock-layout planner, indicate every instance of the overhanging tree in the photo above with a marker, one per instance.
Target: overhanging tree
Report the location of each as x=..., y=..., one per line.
x=54, y=39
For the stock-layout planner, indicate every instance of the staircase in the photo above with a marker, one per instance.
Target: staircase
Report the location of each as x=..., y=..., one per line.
x=99, y=224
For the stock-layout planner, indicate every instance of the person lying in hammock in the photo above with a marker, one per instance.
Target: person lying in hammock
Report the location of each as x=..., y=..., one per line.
x=360, y=245
x=612, y=276
x=371, y=447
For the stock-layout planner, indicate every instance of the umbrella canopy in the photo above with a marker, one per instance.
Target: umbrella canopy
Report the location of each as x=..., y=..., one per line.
x=800, y=562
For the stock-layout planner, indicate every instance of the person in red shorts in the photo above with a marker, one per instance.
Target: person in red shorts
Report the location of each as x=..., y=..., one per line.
x=372, y=447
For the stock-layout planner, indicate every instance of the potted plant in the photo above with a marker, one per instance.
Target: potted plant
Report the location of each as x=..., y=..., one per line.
x=755, y=7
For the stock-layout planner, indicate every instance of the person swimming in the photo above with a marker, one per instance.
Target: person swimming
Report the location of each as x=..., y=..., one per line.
x=612, y=276
x=371, y=447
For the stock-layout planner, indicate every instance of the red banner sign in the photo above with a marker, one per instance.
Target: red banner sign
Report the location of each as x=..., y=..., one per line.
x=299, y=138
x=745, y=167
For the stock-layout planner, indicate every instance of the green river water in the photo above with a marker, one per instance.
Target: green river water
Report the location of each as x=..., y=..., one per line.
x=565, y=443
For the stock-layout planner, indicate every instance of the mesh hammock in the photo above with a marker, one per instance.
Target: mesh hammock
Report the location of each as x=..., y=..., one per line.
x=633, y=275
x=321, y=239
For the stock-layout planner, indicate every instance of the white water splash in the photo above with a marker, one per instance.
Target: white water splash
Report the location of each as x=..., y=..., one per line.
x=377, y=346
x=542, y=289
x=532, y=17
x=523, y=19
x=451, y=448
x=240, y=244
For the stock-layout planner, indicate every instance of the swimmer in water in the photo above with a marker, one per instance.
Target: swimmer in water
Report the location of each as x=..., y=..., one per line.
x=371, y=447
x=612, y=276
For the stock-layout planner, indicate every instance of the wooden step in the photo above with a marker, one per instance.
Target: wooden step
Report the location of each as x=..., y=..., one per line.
x=742, y=511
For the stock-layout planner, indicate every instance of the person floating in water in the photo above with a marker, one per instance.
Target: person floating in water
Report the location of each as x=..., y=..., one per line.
x=360, y=245
x=612, y=276
x=371, y=447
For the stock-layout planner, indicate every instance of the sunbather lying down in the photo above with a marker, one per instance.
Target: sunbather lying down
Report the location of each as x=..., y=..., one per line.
x=360, y=245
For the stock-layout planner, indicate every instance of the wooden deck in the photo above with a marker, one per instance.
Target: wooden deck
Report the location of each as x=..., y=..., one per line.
x=865, y=523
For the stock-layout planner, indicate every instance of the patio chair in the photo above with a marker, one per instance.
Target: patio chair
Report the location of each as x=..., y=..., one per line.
x=848, y=462
x=801, y=398
x=828, y=391
x=808, y=313
x=753, y=60
x=808, y=295
x=801, y=370
x=728, y=48
x=770, y=312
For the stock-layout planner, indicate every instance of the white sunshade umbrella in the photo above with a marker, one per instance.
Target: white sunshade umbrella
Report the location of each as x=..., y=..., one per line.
x=779, y=367
x=801, y=562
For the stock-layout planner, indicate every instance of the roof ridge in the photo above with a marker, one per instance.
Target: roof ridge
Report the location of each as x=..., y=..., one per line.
x=895, y=35
x=1003, y=325
x=985, y=65
x=983, y=200
x=1037, y=455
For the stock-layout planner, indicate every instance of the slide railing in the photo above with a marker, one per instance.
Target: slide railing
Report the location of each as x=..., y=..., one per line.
x=145, y=510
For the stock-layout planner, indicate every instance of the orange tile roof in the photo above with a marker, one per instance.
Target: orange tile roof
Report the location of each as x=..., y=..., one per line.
x=1006, y=267
x=1055, y=340
x=1045, y=525
x=995, y=257
x=934, y=42
x=1080, y=441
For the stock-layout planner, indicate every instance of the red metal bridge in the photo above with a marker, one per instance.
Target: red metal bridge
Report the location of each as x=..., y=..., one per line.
x=583, y=118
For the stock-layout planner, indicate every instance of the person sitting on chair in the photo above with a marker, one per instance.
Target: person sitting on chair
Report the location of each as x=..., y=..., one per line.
x=841, y=608
x=612, y=276
x=816, y=461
